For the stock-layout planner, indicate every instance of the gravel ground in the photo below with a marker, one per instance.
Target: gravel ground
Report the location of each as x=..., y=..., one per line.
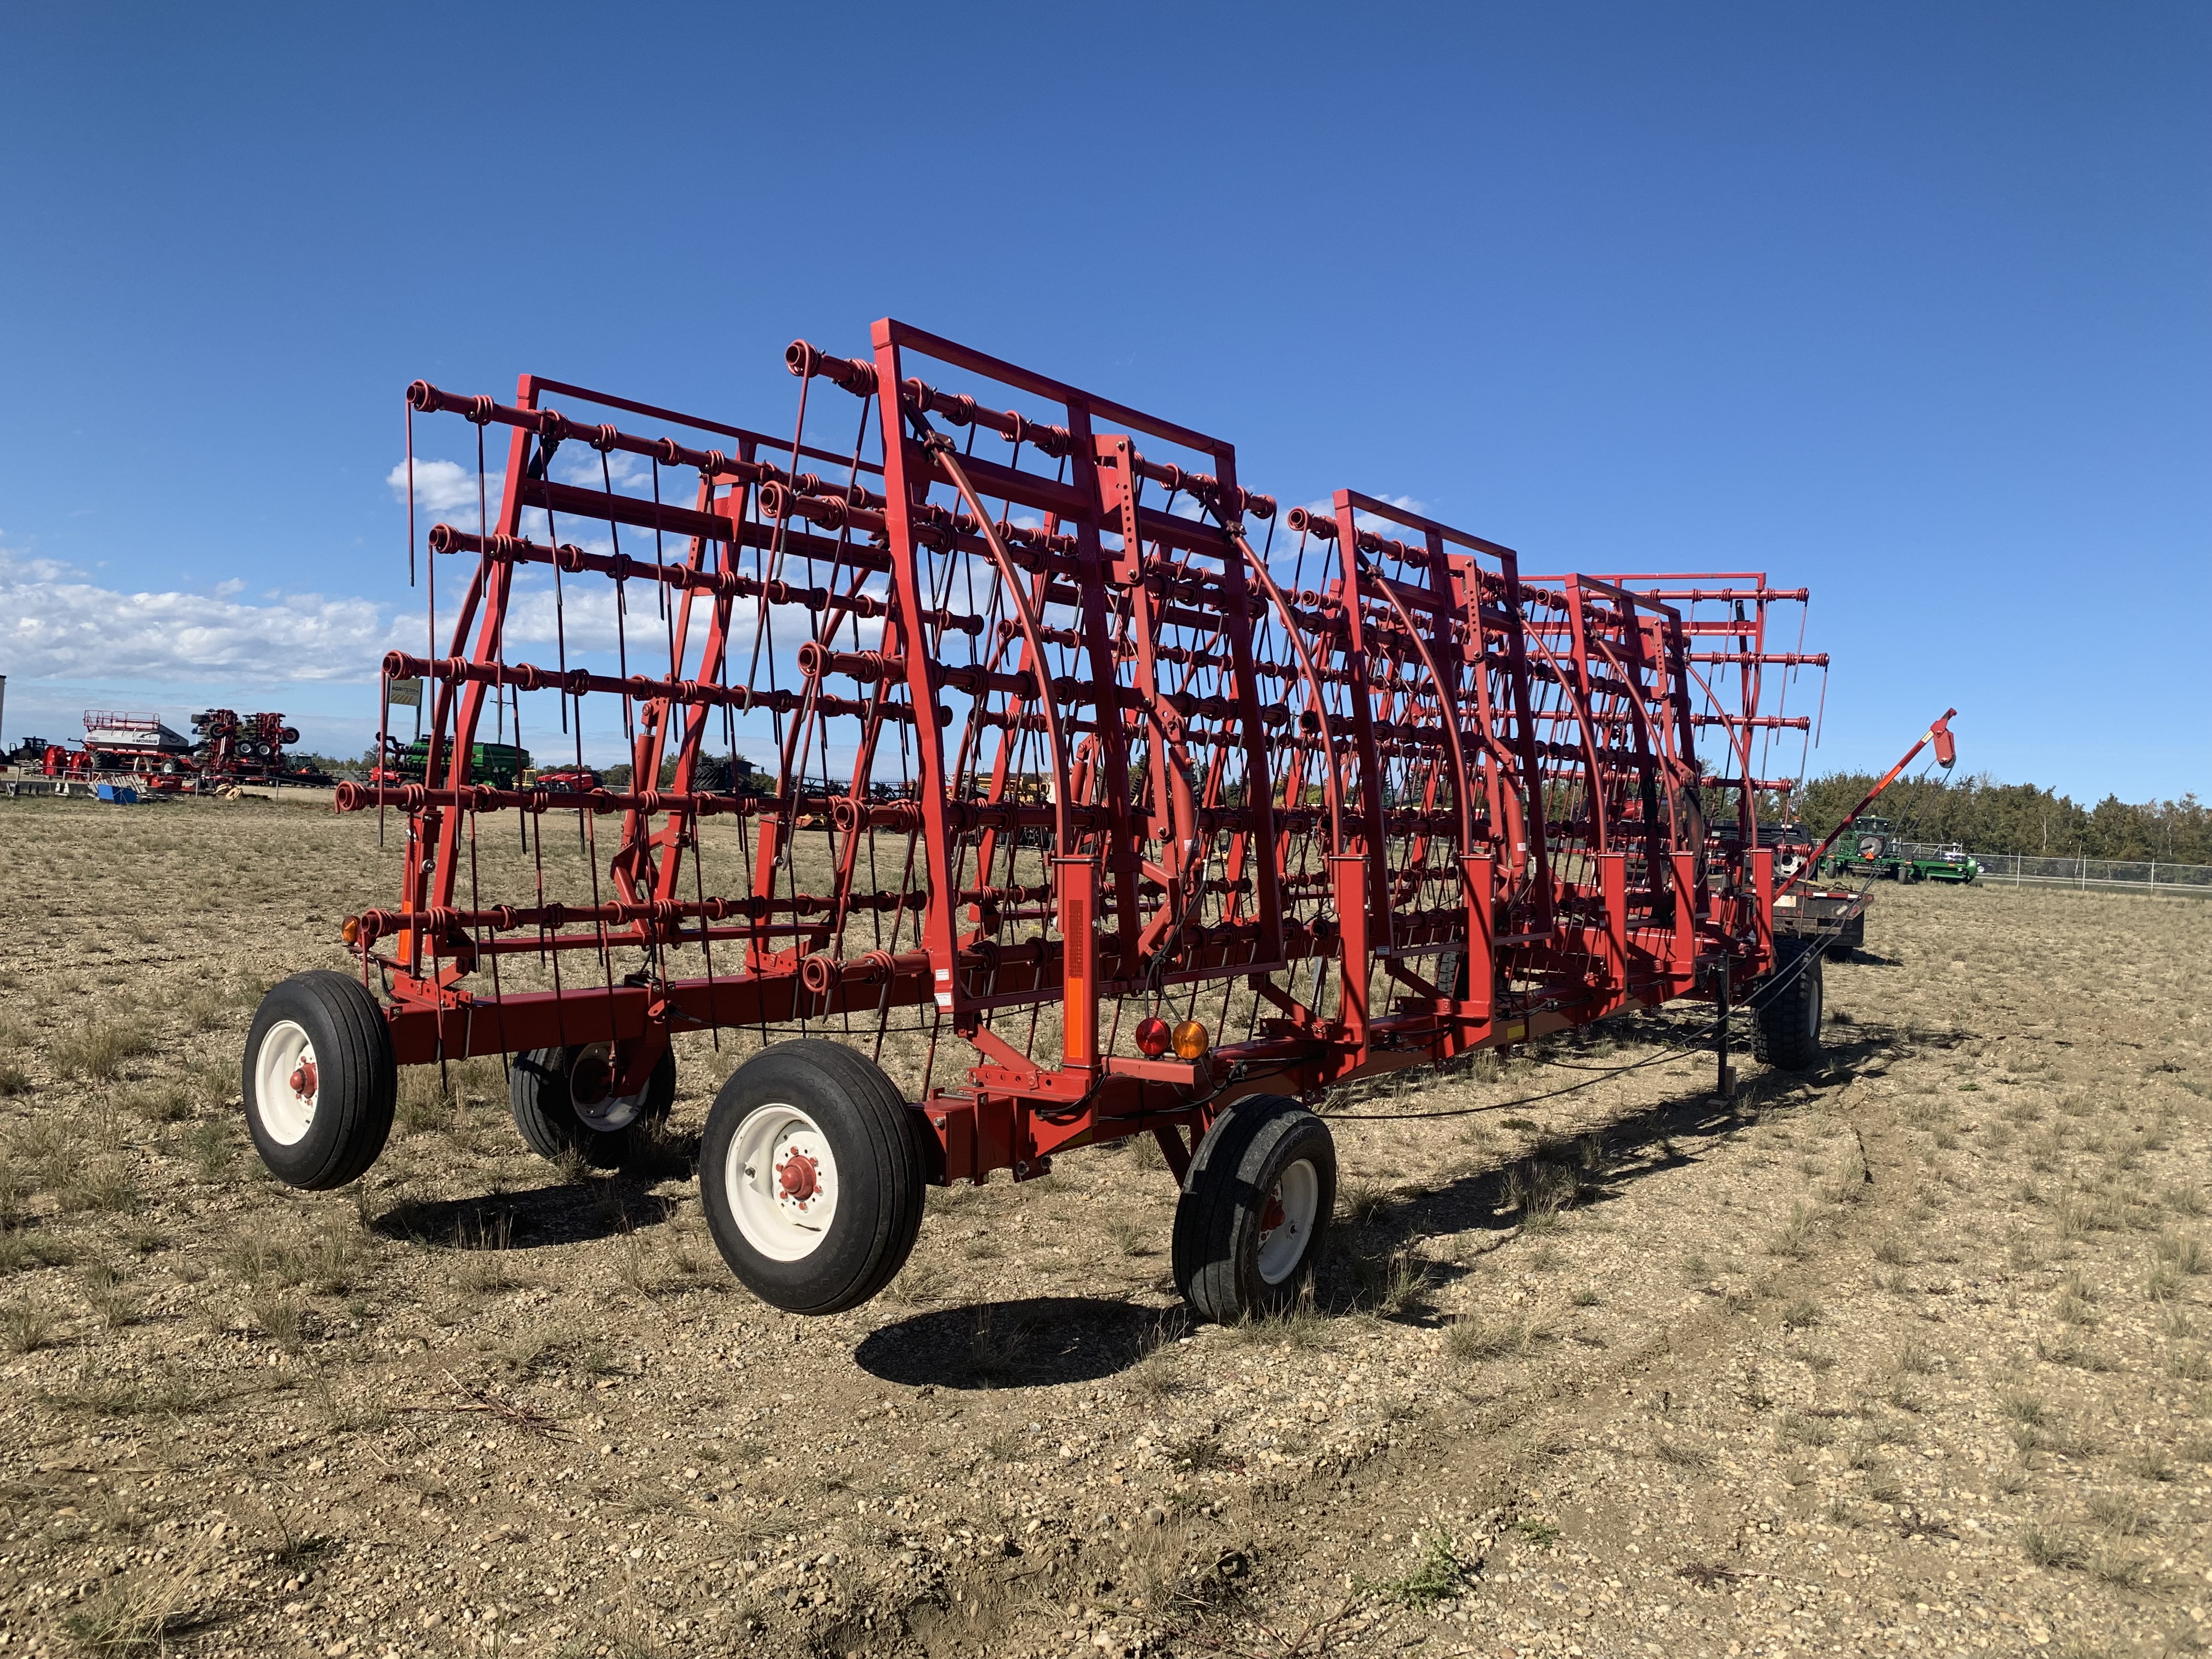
x=1908, y=1356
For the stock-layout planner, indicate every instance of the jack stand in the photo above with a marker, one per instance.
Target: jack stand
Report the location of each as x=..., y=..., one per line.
x=1727, y=1084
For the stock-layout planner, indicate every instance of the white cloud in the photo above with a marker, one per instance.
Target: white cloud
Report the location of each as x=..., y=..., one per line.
x=584, y=616
x=865, y=633
x=587, y=469
x=445, y=487
x=57, y=623
x=1410, y=503
x=54, y=624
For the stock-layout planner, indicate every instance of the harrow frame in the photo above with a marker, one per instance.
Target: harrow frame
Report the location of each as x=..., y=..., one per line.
x=1167, y=771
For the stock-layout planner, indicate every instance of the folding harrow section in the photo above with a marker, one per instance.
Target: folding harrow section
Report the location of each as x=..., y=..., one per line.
x=718, y=578
x=1100, y=697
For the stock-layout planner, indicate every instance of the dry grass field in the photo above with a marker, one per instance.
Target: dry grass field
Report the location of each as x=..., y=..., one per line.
x=1914, y=1355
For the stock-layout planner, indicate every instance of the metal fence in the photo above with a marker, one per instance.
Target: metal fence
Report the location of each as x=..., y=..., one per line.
x=2123, y=875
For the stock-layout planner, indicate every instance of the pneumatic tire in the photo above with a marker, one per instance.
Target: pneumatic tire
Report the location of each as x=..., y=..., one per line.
x=811, y=1173
x=559, y=1101
x=1786, y=1007
x=319, y=1080
x=1254, y=1208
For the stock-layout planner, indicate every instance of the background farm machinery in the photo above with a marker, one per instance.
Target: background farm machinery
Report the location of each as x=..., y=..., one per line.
x=227, y=749
x=1822, y=908
x=502, y=764
x=1816, y=907
x=1872, y=848
x=250, y=748
x=1170, y=810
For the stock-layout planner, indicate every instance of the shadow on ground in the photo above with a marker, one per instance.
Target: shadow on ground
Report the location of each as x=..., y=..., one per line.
x=1865, y=958
x=568, y=1213
x=1566, y=1173
x=1041, y=1342
x=1031, y=1344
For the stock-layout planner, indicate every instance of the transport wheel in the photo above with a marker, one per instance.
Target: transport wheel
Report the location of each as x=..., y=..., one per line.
x=1257, y=1201
x=1786, y=1007
x=560, y=1100
x=811, y=1175
x=319, y=1080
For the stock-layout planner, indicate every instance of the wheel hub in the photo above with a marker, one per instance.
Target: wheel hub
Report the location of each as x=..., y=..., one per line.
x=783, y=1182
x=798, y=1179
x=1287, y=1222
x=285, y=1082
x=592, y=1078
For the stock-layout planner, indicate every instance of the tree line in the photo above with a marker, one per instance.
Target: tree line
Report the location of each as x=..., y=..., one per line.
x=1989, y=816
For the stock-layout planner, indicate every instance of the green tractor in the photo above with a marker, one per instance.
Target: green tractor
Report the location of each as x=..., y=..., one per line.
x=499, y=765
x=1873, y=847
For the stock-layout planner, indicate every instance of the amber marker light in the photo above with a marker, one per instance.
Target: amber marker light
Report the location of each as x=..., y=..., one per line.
x=349, y=930
x=1153, y=1036
x=1192, y=1040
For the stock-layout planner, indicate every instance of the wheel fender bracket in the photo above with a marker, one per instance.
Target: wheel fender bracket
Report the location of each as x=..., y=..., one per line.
x=637, y=1065
x=950, y=1145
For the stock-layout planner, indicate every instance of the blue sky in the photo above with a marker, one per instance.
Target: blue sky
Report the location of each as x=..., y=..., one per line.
x=1905, y=303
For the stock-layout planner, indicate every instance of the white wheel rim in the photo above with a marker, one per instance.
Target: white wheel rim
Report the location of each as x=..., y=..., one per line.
x=286, y=1081
x=782, y=1182
x=610, y=1112
x=1282, y=1245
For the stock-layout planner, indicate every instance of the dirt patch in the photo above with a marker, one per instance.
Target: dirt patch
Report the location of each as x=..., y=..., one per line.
x=1908, y=1355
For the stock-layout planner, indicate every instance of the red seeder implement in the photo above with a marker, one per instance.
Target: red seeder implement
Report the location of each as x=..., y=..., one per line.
x=226, y=751
x=1173, y=811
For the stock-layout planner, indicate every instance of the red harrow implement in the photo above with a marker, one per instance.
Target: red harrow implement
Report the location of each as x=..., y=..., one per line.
x=1171, y=818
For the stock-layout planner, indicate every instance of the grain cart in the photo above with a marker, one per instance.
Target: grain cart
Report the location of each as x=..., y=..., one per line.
x=1143, y=810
